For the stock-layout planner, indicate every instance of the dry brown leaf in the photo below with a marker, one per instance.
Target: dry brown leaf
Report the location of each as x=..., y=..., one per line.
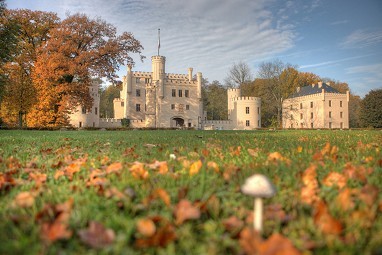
x=115, y=167
x=345, y=199
x=138, y=171
x=233, y=224
x=277, y=244
x=195, y=167
x=213, y=165
x=185, y=211
x=39, y=178
x=334, y=178
x=146, y=227
x=24, y=199
x=253, y=152
x=310, y=189
x=369, y=194
x=324, y=221
x=51, y=232
x=163, y=195
x=58, y=174
x=162, y=237
x=96, y=235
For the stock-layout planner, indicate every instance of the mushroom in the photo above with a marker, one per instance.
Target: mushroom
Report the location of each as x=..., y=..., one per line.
x=258, y=186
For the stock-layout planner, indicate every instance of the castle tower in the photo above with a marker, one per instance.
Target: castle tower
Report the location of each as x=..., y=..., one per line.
x=158, y=64
x=127, y=92
x=232, y=93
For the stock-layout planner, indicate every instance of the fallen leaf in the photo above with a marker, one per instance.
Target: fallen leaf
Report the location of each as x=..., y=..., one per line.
x=253, y=152
x=324, y=221
x=24, y=199
x=96, y=235
x=162, y=237
x=163, y=195
x=369, y=194
x=146, y=227
x=233, y=224
x=277, y=244
x=334, y=178
x=115, y=167
x=195, y=167
x=345, y=199
x=138, y=171
x=185, y=211
x=51, y=232
x=213, y=165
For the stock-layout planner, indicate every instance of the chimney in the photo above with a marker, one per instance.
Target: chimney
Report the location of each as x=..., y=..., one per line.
x=313, y=85
x=190, y=74
x=298, y=89
x=328, y=83
x=320, y=84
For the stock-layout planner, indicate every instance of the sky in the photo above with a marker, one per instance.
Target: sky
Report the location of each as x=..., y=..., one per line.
x=340, y=40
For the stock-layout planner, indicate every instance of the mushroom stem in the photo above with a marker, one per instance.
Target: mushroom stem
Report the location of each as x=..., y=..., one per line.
x=258, y=214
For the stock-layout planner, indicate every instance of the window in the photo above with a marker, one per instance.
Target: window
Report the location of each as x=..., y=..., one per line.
x=330, y=114
x=122, y=104
x=330, y=125
x=247, y=110
x=311, y=115
x=341, y=125
x=311, y=104
x=330, y=103
x=291, y=125
x=137, y=80
x=291, y=116
x=80, y=124
x=83, y=110
x=258, y=110
x=247, y=123
x=291, y=107
x=147, y=80
x=172, y=106
x=187, y=93
x=300, y=105
x=173, y=92
x=96, y=111
x=301, y=116
x=187, y=107
x=180, y=93
x=138, y=107
x=341, y=115
x=340, y=103
x=311, y=125
x=138, y=92
x=258, y=123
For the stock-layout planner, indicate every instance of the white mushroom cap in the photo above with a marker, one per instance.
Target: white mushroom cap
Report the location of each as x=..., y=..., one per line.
x=258, y=185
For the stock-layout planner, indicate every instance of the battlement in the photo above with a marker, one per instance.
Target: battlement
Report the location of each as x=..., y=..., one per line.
x=118, y=100
x=255, y=99
x=233, y=90
x=316, y=96
x=176, y=76
x=139, y=74
x=158, y=57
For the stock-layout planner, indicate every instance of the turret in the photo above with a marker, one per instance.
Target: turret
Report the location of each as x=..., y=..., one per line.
x=158, y=69
x=129, y=79
x=199, y=81
x=190, y=74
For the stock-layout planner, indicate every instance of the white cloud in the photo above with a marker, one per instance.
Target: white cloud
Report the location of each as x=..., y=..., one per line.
x=332, y=62
x=207, y=35
x=362, y=39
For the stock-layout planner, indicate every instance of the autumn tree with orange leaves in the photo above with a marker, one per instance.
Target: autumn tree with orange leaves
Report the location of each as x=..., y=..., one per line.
x=31, y=31
x=79, y=50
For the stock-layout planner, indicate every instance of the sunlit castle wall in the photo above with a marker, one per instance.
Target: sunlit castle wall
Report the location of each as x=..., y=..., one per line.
x=87, y=118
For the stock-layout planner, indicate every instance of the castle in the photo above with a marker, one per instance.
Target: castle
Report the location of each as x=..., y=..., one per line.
x=162, y=100
x=316, y=106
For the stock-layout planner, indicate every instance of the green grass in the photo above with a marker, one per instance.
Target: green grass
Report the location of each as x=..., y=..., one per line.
x=20, y=228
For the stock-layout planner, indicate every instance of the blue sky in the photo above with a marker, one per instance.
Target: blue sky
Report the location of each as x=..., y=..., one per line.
x=338, y=39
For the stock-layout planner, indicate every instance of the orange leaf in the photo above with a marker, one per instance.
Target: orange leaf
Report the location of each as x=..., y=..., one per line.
x=138, y=171
x=24, y=199
x=324, y=221
x=212, y=165
x=185, y=211
x=345, y=200
x=51, y=232
x=369, y=194
x=162, y=237
x=253, y=152
x=334, y=178
x=39, y=178
x=58, y=174
x=146, y=227
x=114, y=168
x=195, y=167
x=277, y=244
x=163, y=195
x=96, y=235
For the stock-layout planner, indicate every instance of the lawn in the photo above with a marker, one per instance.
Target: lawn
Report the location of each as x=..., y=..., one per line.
x=179, y=192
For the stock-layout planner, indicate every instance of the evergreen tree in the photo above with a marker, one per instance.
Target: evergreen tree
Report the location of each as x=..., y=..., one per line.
x=371, y=111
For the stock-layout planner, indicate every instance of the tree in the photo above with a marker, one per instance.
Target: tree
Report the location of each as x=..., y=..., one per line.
x=106, y=101
x=306, y=78
x=280, y=81
x=216, y=101
x=238, y=75
x=79, y=49
x=354, y=111
x=371, y=114
x=31, y=30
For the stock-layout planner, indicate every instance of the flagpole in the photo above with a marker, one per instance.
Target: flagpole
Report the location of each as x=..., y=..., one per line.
x=158, y=40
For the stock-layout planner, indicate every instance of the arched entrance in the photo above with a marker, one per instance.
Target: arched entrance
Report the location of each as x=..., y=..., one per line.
x=177, y=122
